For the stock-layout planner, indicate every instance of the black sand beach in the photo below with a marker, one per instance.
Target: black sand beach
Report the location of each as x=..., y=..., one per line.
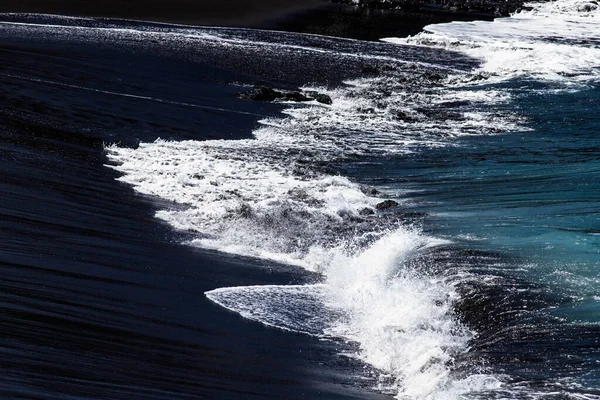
x=202, y=12
x=304, y=16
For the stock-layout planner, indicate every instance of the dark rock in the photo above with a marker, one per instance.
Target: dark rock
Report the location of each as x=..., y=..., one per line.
x=386, y=205
x=366, y=211
x=323, y=98
x=320, y=97
x=370, y=191
x=261, y=93
x=294, y=96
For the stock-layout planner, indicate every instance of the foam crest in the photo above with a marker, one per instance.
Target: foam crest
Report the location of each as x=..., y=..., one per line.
x=553, y=41
x=402, y=321
x=239, y=198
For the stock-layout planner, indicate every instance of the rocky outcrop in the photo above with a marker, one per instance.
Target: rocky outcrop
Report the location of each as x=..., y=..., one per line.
x=320, y=97
x=480, y=8
x=366, y=211
x=386, y=205
x=263, y=93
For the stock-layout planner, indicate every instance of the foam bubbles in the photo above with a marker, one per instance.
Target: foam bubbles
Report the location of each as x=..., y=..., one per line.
x=243, y=197
x=402, y=320
x=553, y=41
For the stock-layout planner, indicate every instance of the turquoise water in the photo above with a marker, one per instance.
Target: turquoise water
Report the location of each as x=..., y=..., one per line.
x=533, y=193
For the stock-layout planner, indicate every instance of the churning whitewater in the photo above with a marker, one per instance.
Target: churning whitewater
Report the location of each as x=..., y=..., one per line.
x=279, y=197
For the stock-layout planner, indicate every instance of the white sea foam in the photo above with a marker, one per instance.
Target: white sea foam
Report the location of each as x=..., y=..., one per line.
x=402, y=322
x=554, y=41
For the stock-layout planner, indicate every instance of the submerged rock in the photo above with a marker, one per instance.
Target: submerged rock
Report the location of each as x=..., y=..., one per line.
x=323, y=98
x=386, y=205
x=263, y=93
x=366, y=211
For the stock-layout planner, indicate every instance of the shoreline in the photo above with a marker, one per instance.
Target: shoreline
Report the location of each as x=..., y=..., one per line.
x=229, y=13
x=321, y=17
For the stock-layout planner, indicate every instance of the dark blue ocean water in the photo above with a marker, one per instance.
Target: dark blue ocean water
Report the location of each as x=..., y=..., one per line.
x=163, y=238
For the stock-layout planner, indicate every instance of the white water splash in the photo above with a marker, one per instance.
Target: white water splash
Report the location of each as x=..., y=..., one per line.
x=555, y=41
